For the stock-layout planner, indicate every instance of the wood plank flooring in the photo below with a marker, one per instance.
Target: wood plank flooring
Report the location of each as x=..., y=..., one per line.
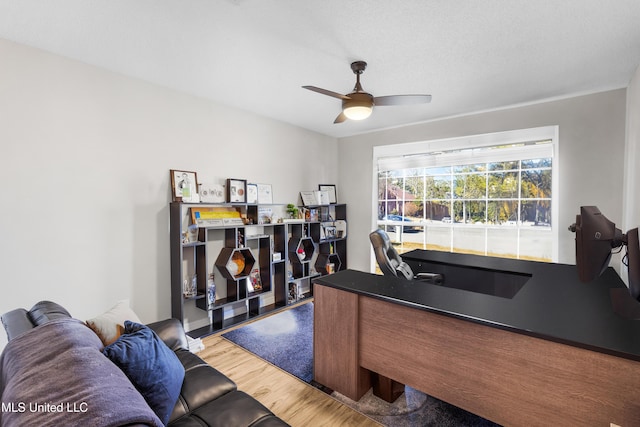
x=291, y=399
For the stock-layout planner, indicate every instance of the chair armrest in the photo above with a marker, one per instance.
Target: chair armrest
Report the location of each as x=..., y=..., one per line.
x=16, y=322
x=171, y=332
x=404, y=271
x=46, y=311
x=435, y=278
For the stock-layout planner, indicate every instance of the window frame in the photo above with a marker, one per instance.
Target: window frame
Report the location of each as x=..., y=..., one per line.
x=410, y=154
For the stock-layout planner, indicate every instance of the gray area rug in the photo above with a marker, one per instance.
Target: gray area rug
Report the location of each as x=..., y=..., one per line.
x=285, y=340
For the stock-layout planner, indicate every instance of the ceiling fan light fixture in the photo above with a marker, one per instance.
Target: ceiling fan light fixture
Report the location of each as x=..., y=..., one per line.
x=357, y=112
x=358, y=106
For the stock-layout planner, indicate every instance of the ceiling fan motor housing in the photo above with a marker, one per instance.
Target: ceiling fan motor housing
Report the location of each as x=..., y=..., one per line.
x=358, y=67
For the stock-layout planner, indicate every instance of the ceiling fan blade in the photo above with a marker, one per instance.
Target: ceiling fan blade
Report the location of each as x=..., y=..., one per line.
x=341, y=118
x=326, y=92
x=402, y=99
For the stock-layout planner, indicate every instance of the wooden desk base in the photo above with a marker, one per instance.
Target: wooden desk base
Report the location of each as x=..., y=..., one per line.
x=510, y=378
x=386, y=388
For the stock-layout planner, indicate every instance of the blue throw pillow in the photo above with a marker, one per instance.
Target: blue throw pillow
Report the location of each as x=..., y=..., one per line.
x=152, y=367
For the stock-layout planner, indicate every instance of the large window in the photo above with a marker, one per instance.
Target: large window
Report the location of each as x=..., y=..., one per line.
x=489, y=195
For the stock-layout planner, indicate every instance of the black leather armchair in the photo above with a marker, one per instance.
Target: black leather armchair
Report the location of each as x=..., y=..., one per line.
x=390, y=262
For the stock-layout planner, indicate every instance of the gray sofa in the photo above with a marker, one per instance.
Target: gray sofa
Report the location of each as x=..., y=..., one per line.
x=87, y=390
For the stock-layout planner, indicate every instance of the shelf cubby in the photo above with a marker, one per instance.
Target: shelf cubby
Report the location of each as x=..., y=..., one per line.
x=235, y=263
x=301, y=246
x=323, y=261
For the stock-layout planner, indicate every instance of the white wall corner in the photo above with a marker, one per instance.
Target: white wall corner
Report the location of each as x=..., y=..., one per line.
x=631, y=198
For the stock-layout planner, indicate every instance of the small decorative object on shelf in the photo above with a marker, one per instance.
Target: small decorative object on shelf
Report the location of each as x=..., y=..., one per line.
x=236, y=264
x=190, y=286
x=254, y=278
x=301, y=254
x=292, y=210
x=294, y=292
x=331, y=268
x=192, y=233
x=211, y=291
x=341, y=228
x=311, y=214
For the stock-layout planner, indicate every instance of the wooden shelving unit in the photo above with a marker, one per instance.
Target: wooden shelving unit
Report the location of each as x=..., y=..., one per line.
x=247, y=242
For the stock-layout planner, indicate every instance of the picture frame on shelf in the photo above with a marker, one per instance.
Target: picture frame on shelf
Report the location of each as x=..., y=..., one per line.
x=322, y=197
x=265, y=194
x=329, y=231
x=236, y=190
x=308, y=198
x=184, y=186
x=212, y=193
x=252, y=193
x=331, y=189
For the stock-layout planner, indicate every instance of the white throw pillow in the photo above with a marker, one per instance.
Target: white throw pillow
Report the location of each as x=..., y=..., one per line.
x=110, y=325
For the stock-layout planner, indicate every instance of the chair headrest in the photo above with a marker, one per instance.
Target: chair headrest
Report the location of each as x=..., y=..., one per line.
x=379, y=238
x=386, y=255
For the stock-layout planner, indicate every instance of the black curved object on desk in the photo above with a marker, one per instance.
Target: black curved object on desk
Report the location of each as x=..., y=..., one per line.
x=391, y=263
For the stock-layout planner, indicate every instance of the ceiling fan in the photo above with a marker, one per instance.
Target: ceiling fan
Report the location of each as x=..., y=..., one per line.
x=358, y=104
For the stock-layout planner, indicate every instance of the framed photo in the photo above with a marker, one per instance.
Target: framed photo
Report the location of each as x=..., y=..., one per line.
x=330, y=232
x=236, y=190
x=265, y=195
x=184, y=186
x=252, y=193
x=331, y=189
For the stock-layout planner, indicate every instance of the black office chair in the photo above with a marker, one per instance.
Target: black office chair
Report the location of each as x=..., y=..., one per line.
x=390, y=262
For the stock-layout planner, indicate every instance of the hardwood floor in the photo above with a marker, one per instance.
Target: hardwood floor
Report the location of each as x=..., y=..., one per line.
x=291, y=399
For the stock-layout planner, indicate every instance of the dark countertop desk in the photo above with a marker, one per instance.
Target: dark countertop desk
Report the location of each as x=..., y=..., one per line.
x=570, y=322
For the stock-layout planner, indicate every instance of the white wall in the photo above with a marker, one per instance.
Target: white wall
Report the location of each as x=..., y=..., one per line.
x=85, y=157
x=632, y=154
x=631, y=202
x=590, y=160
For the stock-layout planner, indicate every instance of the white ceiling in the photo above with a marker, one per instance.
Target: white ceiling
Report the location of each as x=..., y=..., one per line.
x=256, y=54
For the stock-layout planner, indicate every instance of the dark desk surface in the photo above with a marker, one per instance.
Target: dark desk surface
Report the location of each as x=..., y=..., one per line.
x=553, y=304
